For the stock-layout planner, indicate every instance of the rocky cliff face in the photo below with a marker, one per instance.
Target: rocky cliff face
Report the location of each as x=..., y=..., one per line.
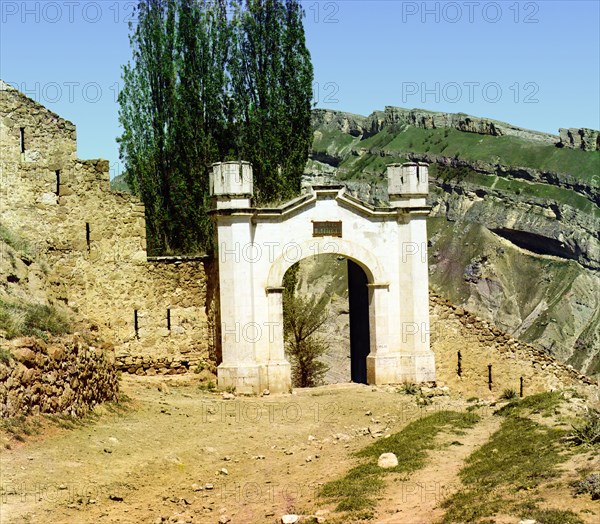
x=514, y=233
x=583, y=138
x=356, y=125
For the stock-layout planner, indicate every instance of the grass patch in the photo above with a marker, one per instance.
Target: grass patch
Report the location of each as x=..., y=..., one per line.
x=520, y=457
x=587, y=432
x=20, y=245
x=22, y=319
x=5, y=355
x=20, y=427
x=355, y=491
x=541, y=403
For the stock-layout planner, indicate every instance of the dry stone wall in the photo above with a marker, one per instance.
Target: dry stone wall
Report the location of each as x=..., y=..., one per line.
x=465, y=347
x=65, y=375
x=94, y=242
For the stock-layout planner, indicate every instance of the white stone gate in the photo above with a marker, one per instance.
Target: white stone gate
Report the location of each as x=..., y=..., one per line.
x=256, y=246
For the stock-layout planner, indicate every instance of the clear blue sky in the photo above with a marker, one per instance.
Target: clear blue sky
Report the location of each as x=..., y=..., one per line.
x=534, y=64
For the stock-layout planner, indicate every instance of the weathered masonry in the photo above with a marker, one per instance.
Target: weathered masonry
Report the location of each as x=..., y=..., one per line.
x=256, y=246
x=94, y=242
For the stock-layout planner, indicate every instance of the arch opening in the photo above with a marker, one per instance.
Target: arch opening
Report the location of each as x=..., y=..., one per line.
x=334, y=287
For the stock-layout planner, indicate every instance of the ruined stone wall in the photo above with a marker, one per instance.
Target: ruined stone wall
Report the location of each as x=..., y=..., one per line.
x=481, y=344
x=94, y=242
x=64, y=376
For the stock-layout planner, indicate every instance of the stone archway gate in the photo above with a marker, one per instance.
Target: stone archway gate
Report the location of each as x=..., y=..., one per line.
x=256, y=246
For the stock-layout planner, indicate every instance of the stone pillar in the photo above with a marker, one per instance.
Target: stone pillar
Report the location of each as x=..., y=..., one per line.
x=408, y=189
x=278, y=369
x=381, y=364
x=231, y=188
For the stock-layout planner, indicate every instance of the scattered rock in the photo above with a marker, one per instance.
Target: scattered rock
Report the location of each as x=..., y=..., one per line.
x=224, y=519
x=224, y=471
x=227, y=396
x=289, y=519
x=387, y=460
x=266, y=393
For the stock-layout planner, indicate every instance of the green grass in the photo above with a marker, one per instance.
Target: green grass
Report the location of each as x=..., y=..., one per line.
x=507, y=150
x=24, y=319
x=517, y=459
x=355, y=491
x=20, y=245
x=541, y=403
x=533, y=190
x=5, y=355
x=333, y=142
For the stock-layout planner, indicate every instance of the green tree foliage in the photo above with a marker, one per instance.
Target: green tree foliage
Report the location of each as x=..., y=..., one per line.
x=271, y=81
x=203, y=87
x=147, y=114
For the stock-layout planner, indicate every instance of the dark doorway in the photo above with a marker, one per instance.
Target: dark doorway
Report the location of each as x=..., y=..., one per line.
x=358, y=301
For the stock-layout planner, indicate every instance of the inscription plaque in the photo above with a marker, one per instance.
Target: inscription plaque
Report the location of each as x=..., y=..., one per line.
x=327, y=229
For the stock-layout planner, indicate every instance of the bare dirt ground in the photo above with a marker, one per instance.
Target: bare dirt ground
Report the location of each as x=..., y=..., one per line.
x=184, y=455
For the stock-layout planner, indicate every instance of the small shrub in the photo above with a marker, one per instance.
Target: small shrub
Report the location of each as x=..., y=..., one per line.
x=19, y=319
x=409, y=388
x=5, y=356
x=230, y=389
x=589, y=485
x=208, y=386
x=508, y=394
x=588, y=432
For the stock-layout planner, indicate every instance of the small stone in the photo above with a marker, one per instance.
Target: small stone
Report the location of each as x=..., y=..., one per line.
x=311, y=438
x=308, y=459
x=208, y=486
x=116, y=497
x=289, y=519
x=196, y=487
x=62, y=486
x=528, y=521
x=224, y=519
x=227, y=396
x=368, y=413
x=226, y=458
x=224, y=471
x=266, y=393
x=387, y=460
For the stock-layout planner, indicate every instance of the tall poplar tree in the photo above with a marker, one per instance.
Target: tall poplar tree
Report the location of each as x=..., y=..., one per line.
x=201, y=134
x=147, y=113
x=271, y=81
x=203, y=87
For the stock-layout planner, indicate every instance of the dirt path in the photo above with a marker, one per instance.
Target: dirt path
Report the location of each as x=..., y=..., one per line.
x=417, y=500
x=165, y=456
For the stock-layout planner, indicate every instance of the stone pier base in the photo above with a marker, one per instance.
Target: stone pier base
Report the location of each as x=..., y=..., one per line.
x=396, y=368
x=254, y=378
